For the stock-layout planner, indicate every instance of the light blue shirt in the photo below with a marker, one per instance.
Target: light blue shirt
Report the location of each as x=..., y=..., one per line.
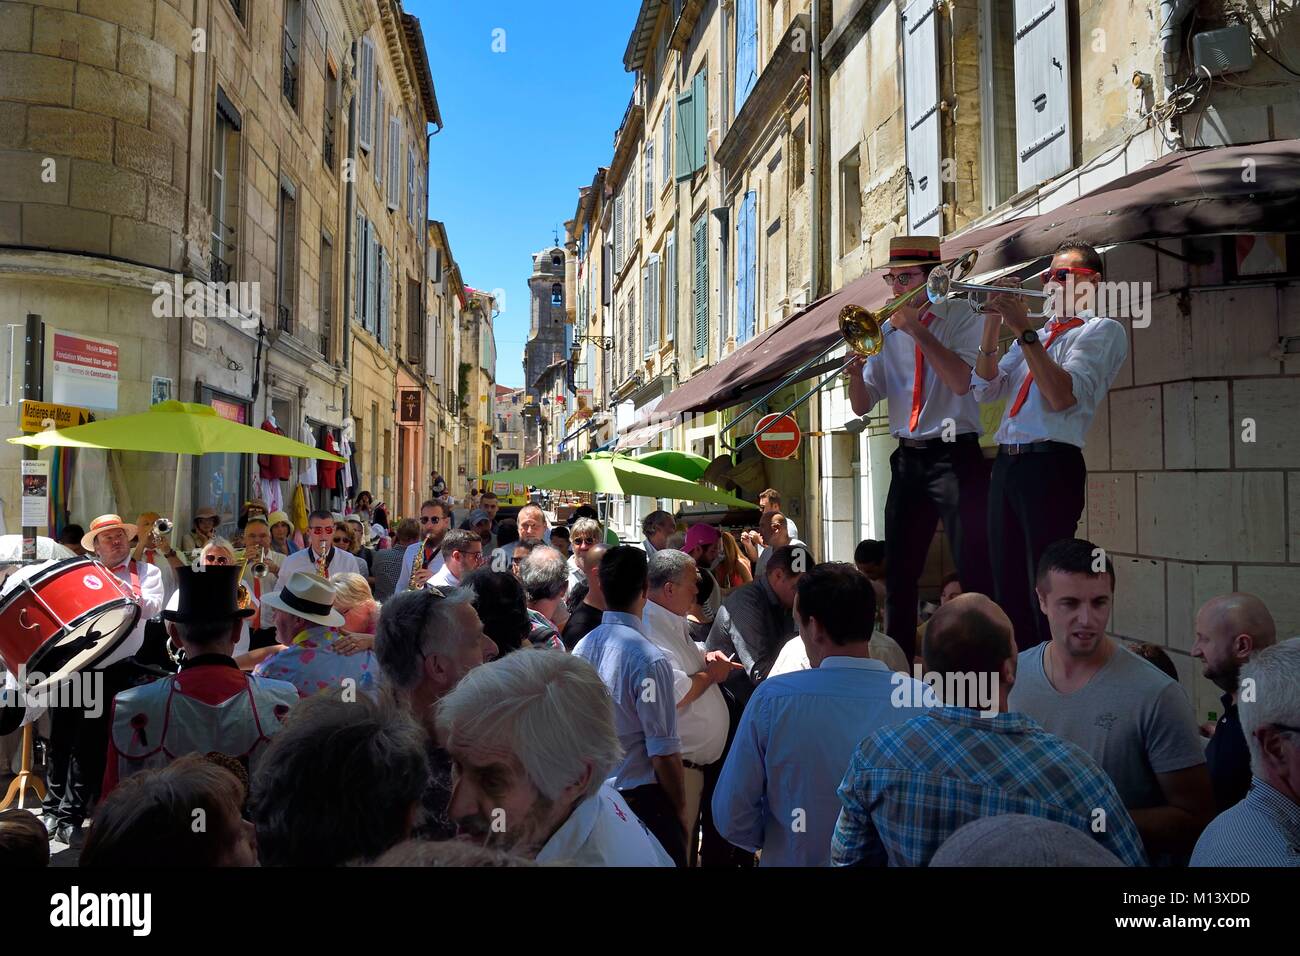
x=1262, y=830
x=640, y=679
x=778, y=788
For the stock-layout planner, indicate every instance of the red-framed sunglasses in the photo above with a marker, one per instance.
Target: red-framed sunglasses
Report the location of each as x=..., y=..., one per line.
x=1063, y=273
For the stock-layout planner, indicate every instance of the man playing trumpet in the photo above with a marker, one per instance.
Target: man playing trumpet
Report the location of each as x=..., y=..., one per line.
x=1053, y=379
x=320, y=556
x=937, y=471
x=261, y=566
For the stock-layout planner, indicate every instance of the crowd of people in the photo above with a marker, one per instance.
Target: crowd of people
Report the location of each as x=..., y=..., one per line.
x=507, y=693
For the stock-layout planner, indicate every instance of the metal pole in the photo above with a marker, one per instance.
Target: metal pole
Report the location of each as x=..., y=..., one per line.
x=33, y=390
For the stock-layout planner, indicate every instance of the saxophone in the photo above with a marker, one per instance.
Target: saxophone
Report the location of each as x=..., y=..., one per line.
x=322, y=566
x=418, y=563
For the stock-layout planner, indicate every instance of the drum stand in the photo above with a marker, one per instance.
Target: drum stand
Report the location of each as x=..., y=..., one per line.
x=26, y=779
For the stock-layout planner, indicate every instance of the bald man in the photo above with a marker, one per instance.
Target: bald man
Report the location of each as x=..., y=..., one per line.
x=1230, y=629
x=909, y=787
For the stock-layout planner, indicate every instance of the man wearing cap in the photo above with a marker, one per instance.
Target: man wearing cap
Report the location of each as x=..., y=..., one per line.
x=78, y=743
x=211, y=705
x=937, y=471
x=704, y=545
x=307, y=626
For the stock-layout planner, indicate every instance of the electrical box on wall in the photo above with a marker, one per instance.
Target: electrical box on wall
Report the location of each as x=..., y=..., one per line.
x=1223, y=51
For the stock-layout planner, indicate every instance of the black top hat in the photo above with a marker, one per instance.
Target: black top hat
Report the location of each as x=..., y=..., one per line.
x=210, y=594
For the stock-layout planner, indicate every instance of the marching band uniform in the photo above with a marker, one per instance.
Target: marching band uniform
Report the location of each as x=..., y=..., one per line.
x=937, y=470
x=337, y=560
x=1036, y=494
x=210, y=705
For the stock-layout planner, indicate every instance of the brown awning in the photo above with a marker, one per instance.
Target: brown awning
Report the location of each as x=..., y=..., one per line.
x=767, y=357
x=1230, y=189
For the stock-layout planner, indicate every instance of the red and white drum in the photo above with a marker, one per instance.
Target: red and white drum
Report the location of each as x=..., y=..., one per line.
x=60, y=618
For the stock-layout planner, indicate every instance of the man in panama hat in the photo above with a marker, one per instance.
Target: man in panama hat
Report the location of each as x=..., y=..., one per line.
x=210, y=705
x=307, y=627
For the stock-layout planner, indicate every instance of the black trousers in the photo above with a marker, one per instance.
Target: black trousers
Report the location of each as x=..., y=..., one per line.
x=949, y=481
x=651, y=804
x=78, y=750
x=715, y=851
x=1034, y=499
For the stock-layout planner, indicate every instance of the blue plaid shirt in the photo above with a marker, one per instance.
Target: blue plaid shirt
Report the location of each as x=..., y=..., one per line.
x=908, y=788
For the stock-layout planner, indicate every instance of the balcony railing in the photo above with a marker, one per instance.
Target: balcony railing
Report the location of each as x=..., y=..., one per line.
x=289, y=71
x=221, y=255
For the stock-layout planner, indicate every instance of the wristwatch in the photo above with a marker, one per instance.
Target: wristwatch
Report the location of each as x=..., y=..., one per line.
x=1028, y=337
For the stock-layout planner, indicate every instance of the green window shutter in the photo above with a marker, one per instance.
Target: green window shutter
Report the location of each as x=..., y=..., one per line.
x=685, y=136
x=700, y=116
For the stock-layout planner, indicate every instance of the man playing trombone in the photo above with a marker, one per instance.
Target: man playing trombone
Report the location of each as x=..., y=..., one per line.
x=937, y=471
x=1053, y=380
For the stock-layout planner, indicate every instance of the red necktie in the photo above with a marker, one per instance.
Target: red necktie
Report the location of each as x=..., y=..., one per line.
x=1061, y=327
x=926, y=318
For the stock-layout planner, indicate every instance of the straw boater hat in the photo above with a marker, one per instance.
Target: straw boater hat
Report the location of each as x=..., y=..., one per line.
x=106, y=523
x=308, y=596
x=913, y=251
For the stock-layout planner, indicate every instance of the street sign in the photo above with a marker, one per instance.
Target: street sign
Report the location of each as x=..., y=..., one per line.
x=64, y=416
x=780, y=436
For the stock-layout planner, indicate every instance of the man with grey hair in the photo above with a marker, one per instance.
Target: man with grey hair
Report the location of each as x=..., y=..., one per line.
x=533, y=740
x=701, y=710
x=1264, y=828
x=532, y=523
x=657, y=526
x=545, y=578
x=427, y=641
x=1230, y=628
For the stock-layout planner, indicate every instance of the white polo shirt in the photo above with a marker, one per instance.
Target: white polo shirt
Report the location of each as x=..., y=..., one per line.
x=701, y=724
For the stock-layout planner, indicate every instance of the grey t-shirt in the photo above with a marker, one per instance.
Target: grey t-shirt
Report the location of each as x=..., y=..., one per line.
x=1132, y=719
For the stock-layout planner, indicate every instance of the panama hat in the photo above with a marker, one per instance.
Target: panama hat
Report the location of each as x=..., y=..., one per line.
x=308, y=596
x=106, y=523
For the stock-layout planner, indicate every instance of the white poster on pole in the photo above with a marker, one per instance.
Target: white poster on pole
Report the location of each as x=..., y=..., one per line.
x=85, y=371
x=36, y=494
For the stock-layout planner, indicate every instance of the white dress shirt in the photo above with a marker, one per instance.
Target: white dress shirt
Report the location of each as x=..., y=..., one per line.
x=891, y=374
x=443, y=578
x=341, y=562
x=1091, y=353
x=603, y=831
x=408, y=562
x=701, y=724
x=149, y=580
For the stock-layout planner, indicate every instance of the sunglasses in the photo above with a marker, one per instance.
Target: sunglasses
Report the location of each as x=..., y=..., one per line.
x=1063, y=273
x=322, y=532
x=425, y=519
x=216, y=559
x=584, y=540
x=900, y=277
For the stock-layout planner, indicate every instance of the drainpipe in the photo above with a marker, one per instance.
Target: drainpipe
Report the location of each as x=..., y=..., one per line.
x=1172, y=14
x=350, y=206
x=815, y=469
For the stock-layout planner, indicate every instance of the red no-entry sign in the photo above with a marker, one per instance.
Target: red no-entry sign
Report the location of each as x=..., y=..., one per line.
x=779, y=436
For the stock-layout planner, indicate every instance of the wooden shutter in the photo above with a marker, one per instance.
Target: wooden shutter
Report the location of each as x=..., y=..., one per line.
x=367, y=83
x=746, y=263
x=700, y=119
x=618, y=232
x=685, y=134
x=359, y=271
x=394, y=160
x=666, y=145
x=372, y=282
x=670, y=288
x=645, y=309
x=606, y=273
x=700, y=287
x=381, y=134
x=746, y=49
x=1042, y=61
x=921, y=112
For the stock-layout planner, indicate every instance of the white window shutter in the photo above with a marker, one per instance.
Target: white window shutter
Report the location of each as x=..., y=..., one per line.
x=618, y=232
x=921, y=113
x=377, y=159
x=1042, y=56
x=367, y=93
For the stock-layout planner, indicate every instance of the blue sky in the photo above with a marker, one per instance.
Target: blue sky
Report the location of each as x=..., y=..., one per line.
x=525, y=129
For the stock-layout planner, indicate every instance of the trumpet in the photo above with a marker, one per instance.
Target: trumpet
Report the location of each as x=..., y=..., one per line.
x=863, y=331
x=940, y=286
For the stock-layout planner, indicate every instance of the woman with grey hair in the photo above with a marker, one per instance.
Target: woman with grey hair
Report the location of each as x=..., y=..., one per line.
x=533, y=739
x=340, y=783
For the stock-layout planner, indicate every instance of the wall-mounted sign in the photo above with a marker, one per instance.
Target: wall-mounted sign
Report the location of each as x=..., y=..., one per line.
x=36, y=414
x=85, y=371
x=408, y=406
x=36, y=493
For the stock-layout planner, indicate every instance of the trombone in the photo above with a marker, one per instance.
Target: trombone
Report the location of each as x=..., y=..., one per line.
x=864, y=332
x=941, y=286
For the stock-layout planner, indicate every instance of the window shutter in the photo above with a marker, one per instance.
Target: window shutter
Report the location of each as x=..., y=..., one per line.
x=685, y=135
x=746, y=49
x=700, y=250
x=700, y=99
x=631, y=330
x=646, y=309
x=746, y=263
x=618, y=232
x=666, y=145
x=921, y=110
x=381, y=134
x=656, y=300
x=367, y=83
x=394, y=161
x=410, y=184
x=381, y=314
x=359, y=271
x=1042, y=62
x=670, y=288
x=372, y=282
x=649, y=181
x=606, y=273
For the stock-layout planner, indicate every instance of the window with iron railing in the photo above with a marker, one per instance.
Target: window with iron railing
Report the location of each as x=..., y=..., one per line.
x=289, y=51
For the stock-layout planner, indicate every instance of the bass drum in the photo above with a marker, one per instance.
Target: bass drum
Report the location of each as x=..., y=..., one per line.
x=60, y=618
